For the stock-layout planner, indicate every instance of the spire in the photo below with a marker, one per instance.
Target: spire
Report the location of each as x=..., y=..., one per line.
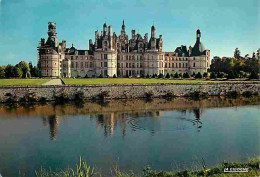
x=198, y=35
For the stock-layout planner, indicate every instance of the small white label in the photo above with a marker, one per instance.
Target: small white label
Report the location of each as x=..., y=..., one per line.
x=235, y=170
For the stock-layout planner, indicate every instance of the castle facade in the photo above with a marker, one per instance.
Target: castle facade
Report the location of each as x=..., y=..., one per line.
x=111, y=55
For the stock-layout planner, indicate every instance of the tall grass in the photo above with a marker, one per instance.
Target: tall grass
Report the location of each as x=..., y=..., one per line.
x=84, y=170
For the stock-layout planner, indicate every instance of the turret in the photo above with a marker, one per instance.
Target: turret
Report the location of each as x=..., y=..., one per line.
x=110, y=33
x=198, y=35
x=123, y=26
x=51, y=29
x=104, y=29
x=153, y=32
x=133, y=34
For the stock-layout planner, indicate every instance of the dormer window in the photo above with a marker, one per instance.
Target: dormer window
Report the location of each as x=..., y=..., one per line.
x=76, y=52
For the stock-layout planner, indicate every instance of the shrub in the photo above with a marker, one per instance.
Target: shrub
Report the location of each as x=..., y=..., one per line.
x=147, y=76
x=232, y=94
x=247, y=94
x=114, y=76
x=186, y=75
x=180, y=75
x=231, y=75
x=169, y=95
x=213, y=75
x=153, y=76
x=62, y=98
x=172, y=75
x=79, y=96
x=167, y=76
x=176, y=75
x=205, y=74
x=103, y=95
x=198, y=75
x=220, y=75
x=253, y=75
x=149, y=95
x=86, y=76
x=160, y=75
x=100, y=76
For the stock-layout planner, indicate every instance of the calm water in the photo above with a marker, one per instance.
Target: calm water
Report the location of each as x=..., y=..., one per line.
x=163, y=134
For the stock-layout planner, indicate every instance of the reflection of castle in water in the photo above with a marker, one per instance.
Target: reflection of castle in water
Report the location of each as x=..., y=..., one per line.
x=108, y=122
x=53, y=122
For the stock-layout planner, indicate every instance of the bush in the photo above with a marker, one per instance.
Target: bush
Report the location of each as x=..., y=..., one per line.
x=186, y=75
x=160, y=75
x=205, y=74
x=86, y=76
x=253, y=75
x=213, y=75
x=198, y=75
x=167, y=76
x=176, y=75
x=180, y=75
x=114, y=76
x=220, y=75
x=172, y=75
x=147, y=76
x=231, y=75
x=79, y=96
x=153, y=76
x=149, y=95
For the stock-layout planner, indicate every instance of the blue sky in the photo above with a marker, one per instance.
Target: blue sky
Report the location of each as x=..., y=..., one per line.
x=225, y=24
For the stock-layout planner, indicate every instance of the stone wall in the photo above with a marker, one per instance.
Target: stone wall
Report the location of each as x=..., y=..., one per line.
x=130, y=90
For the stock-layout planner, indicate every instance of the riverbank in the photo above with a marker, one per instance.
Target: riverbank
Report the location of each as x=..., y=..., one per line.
x=126, y=91
x=82, y=169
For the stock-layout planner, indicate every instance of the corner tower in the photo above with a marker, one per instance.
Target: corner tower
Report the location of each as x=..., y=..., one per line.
x=51, y=53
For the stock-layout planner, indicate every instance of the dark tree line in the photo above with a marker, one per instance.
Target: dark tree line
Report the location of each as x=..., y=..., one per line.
x=20, y=70
x=236, y=66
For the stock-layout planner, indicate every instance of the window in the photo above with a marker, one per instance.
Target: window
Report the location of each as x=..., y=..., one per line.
x=186, y=64
x=105, y=72
x=76, y=64
x=105, y=64
x=101, y=56
x=133, y=57
x=105, y=56
x=90, y=64
x=76, y=57
x=101, y=64
x=71, y=57
x=81, y=64
x=193, y=64
x=176, y=65
x=183, y=65
x=126, y=65
x=179, y=65
x=133, y=65
x=172, y=65
x=165, y=65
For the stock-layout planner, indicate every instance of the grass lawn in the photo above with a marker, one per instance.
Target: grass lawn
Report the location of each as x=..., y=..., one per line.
x=24, y=82
x=95, y=81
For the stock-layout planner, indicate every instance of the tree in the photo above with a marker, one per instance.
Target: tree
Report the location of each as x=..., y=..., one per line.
x=253, y=55
x=186, y=75
x=237, y=53
x=18, y=73
x=9, y=71
x=198, y=75
x=253, y=75
x=167, y=76
x=2, y=72
x=213, y=75
x=220, y=75
x=25, y=68
x=231, y=75
x=205, y=74
x=176, y=75
x=160, y=75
